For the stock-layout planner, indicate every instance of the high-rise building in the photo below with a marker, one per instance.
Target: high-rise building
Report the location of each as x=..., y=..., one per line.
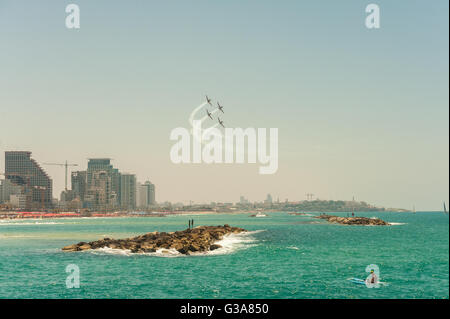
x=37, y=186
x=79, y=179
x=7, y=188
x=151, y=193
x=243, y=200
x=268, y=199
x=128, y=191
x=104, y=164
x=99, y=195
x=141, y=196
x=145, y=195
x=102, y=184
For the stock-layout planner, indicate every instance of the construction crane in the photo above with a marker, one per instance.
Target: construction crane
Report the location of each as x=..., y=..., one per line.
x=65, y=165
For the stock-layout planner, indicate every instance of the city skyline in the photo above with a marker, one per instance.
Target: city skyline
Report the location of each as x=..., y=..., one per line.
x=27, y=186
x=360, y=112
x=143, y=192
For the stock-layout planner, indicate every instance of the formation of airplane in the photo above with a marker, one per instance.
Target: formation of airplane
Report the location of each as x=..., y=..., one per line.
x=219, y=107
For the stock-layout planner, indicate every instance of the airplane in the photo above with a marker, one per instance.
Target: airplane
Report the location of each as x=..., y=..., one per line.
x=220, y=107
x=208, y=100
x=209, y=114
x=220, y=122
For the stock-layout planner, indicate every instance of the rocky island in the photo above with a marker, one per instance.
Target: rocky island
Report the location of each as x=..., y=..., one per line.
x=198, y=239
x=354, y=220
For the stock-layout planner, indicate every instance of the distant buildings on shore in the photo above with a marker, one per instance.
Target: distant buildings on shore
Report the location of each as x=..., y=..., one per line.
x=145, y=195
x=26, y=186
x=103, y=188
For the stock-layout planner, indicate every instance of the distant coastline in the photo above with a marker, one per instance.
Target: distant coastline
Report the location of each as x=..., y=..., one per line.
x=167, y=209
x=39, y=216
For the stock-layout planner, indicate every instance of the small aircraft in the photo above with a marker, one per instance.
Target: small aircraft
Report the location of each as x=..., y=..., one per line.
x=208, y=100
x=209, y=114
x=220, y=107
x=220, y=122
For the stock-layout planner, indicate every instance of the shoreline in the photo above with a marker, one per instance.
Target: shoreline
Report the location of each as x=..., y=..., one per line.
x=43, y=216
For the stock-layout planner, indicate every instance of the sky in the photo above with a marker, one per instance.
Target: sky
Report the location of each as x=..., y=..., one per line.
x=360, y=112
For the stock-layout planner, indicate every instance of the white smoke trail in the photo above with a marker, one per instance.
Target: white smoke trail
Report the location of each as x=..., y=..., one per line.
x=228, y=145
x=195, y=111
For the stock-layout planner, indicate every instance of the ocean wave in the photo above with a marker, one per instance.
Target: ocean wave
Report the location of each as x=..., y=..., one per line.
x=110, y=251
x=230, y=243
x=293, y=247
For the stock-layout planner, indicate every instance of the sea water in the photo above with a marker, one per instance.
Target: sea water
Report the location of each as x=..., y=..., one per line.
x=282, y=256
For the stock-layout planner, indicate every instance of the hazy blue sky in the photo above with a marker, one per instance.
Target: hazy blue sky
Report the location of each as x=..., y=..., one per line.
x=360, y=112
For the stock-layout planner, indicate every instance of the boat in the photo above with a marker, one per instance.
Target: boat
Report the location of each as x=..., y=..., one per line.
x=357, y=281
x=259, y=214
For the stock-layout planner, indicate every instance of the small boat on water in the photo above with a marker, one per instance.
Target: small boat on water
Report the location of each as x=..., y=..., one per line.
x=259, y=214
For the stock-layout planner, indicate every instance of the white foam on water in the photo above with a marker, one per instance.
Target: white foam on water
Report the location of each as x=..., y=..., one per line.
x=111, y=251
x=293, y=247
x=397, y=224
x=162, y=252
x=231, y=243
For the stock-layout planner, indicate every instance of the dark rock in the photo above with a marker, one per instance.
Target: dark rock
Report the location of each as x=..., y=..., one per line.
x=354, y=220
x=199, y=239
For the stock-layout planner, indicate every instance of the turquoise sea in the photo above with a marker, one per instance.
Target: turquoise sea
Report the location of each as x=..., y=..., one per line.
x=284, y=256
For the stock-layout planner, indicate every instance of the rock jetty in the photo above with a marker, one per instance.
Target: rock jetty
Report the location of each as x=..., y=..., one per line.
x=198, y=239
x=354, y=220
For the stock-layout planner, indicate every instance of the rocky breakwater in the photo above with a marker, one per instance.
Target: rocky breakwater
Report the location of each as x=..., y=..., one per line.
x=354, y=220
x=198, y=239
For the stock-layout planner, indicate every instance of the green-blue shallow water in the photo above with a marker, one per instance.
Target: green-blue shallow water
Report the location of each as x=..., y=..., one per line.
x=291, y=257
